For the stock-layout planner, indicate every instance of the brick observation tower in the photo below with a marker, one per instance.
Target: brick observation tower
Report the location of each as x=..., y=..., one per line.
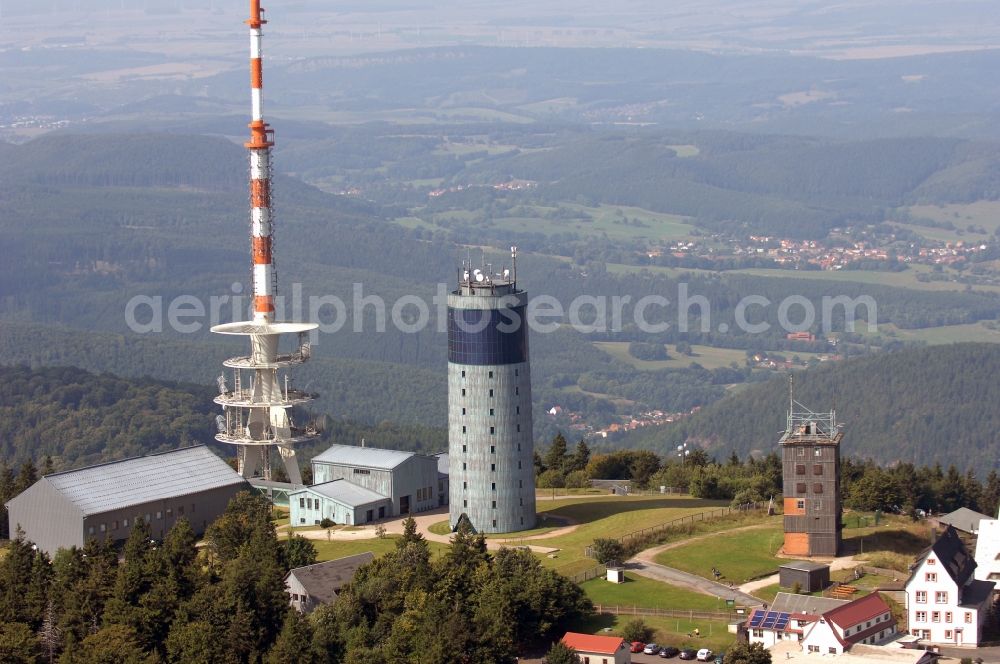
x=810, y=468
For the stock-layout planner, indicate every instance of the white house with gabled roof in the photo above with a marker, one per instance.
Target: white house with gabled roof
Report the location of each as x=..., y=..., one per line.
x=946, y=604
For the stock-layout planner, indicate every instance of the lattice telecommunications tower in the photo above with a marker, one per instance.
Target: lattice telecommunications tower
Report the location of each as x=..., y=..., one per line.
x=256, y=406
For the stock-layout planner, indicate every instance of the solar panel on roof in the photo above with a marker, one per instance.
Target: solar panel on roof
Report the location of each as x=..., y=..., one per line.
x=756, y=619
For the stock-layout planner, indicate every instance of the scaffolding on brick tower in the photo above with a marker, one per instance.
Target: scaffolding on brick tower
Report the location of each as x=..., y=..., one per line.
x=256, y=407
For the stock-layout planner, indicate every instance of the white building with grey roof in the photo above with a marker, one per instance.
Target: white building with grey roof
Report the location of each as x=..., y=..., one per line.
x=339, y=501
x=408, y=479
x=105, y=501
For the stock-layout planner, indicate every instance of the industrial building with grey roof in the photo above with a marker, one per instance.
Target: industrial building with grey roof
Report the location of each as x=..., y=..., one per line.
x=105, y=501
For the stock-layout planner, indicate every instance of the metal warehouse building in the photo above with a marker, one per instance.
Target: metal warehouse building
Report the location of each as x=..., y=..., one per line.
x=408, y=479
x=105, y=501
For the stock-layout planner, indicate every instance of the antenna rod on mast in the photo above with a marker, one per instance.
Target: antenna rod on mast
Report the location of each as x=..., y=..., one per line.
x=259, y=146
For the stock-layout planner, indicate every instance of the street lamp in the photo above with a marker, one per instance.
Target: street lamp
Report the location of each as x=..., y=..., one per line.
x=683, y=452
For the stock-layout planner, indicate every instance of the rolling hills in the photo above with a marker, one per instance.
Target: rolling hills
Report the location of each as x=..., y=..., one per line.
x=928, y=405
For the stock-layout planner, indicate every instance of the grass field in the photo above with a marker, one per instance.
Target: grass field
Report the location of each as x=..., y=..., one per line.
x=648, y=594
x=610, y=516
x=979, y=213
x=609, y=220
x=379, y=546
x=667, y=631
x=904, y=279
x=739, y=556
x=945, y=334
x=706, y=356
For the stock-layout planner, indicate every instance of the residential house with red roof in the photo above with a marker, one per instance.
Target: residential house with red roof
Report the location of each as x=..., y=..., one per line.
x=865, y=620
x=593, y=649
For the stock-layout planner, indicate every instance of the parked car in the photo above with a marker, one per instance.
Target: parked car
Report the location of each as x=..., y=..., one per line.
x=720, y=658
x=705, y=655
x=637, y=646
x=688, y=653
x=651, y=649
x=668, y=651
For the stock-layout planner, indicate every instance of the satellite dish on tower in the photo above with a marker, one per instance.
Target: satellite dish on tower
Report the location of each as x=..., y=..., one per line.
x=220, y=423
x=479, y=275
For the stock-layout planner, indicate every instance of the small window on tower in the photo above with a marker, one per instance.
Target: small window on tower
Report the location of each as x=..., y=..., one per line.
x=519, y=428
x=800, y=487
x=800, y=504
x=493, y=430
x=463, y=411
x=518, y=410
x=517, y=390
x=491, y=374
x=800, y=469
x=465, y=503
x=818, y=487
x=491, y=411
x=494, y=504
x=818, y=452
x=465, y=448
x=491, y=391
x=463, y=391
x=817, y=469
x=493, y=449
x=463, y=373
x=463, y=428
x=493, y=486
x=516, y=372
x=493, y=467
x=494, y=523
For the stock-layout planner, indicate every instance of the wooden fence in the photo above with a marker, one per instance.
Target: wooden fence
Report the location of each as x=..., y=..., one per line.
x=621, y=610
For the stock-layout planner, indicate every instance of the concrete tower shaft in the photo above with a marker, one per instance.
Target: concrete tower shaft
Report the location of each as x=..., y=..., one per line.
x=490, y=444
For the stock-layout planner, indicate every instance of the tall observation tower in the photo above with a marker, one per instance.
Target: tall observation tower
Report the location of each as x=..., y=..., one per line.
x=490, y=445
x=810, y=465
x=256, y=406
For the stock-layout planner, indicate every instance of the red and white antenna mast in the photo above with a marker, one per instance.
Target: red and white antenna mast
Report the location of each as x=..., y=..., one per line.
x=257, y=405
x=260, y=143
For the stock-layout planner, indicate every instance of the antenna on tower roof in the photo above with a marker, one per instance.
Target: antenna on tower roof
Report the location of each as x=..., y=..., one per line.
x=513, y=263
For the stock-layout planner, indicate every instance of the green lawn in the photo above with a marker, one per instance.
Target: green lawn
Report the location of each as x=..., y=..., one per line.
x=648, y=594
x=668, y=631
x=614, y=516
x=544, y=525
x=739, y=556
x=378, y=546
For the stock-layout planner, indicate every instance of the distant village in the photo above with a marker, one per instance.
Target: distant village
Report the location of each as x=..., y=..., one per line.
x=839, y=252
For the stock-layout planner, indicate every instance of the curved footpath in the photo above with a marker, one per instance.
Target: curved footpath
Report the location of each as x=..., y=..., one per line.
x=644, y=564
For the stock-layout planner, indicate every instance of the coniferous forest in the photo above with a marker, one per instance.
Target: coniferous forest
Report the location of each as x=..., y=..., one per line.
x=170, y=601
